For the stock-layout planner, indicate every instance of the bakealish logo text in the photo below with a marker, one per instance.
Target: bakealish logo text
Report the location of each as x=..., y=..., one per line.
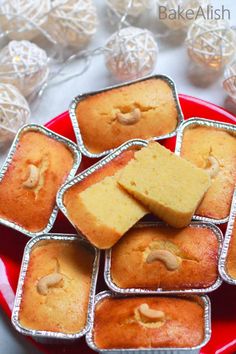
x=208, y=13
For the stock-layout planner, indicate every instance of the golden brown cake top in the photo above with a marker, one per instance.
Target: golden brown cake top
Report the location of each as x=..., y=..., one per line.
x=28, y=189
x=162, y=322
x=213, y=149
x=142, y=110
x=231, y=257
x=152, y=257
x=57, y=286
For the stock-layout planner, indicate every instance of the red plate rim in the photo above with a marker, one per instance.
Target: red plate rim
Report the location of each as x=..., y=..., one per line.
x=9, y=267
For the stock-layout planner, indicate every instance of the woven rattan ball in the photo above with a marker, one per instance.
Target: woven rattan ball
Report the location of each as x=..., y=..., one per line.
x=14, y=112
x=211, y=43
x=22, y=19
x=24, y=65
x=131, y=53
x=72, y=22
x=133, y=8
x=229, y=82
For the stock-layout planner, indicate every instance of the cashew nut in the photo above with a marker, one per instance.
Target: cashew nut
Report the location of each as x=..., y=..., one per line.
x=33, y=177
x=129, y=118
x=214, y=166
x=48, y=281
x=170, y=260
x=151, y=314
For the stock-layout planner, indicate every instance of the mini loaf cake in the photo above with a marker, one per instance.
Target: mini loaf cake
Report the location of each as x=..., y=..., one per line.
x=148, y=322
x=142, y=110
x=162, y=257
x=214, y=150
x=100, y=208
x=169, y=186
x=28, y=189
x=57, y=286
x=231, y=256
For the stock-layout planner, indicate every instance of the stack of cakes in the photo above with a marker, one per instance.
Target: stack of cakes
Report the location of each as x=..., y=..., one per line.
x=154, y=262
x=104, y=203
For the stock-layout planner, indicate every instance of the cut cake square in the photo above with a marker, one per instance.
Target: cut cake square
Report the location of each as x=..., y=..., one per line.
x=169, y=186
x=101, y=209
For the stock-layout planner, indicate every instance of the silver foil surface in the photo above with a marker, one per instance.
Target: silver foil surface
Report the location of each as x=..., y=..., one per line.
x=231, y=128
x=228, y=235
x=136, y=291
x=78, y=99
x=48, y=336
x=194, y=350
x=77, y=159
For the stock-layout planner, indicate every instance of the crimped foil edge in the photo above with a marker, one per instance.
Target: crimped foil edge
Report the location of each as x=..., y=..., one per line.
x=77, y=99
x=224, y=254
x=207, y=321
x=80, y=177
x=49, y=336
x=138, y=291
x=179, y=138
x=77, y=160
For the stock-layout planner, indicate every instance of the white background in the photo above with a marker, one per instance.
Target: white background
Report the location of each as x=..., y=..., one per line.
x=172, y=60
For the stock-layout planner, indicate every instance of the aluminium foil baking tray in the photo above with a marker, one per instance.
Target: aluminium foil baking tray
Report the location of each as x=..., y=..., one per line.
x=49, y=336
x=140, y=291
x=193, y=350
x=77, y=159
x=231, y=128
x=132, y=144
x=228, y=235
x=79, y=98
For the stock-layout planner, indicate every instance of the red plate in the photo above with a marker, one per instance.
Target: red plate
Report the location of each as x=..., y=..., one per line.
x=223, y=338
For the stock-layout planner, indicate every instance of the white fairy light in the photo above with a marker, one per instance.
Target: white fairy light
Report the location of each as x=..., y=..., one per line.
x=24, y=65
x=72, y=22
x=131, y=53
x=211, y=43
x=229, y=82
x=14, y=111
x=132, y=8
x=22, y=19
